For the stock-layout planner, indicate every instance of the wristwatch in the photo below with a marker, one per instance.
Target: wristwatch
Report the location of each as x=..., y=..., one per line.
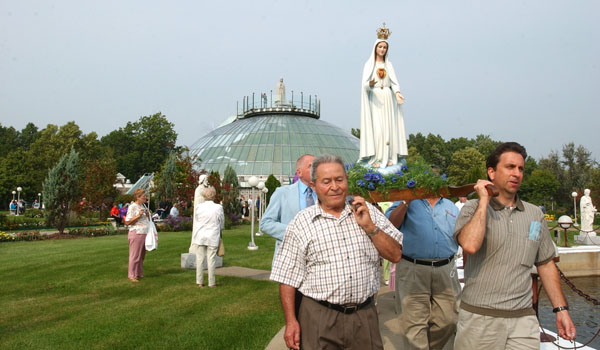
x=560, y=308
x=375, y=231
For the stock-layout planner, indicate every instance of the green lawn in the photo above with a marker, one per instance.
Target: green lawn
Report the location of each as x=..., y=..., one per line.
x=74, y=294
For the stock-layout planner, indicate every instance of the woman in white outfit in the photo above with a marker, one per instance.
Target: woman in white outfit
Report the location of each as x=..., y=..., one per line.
x=382, y=135
x=210, y=221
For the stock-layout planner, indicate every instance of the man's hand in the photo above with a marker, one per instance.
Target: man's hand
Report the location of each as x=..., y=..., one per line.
x=565, y=326
x=292, y=335
x=481, y=190
x=372, y=82
x=361, y=214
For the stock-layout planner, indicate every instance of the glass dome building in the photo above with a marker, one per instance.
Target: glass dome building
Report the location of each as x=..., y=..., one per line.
x=268, y=136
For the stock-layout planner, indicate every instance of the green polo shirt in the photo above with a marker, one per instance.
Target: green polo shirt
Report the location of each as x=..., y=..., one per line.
x=498, y=275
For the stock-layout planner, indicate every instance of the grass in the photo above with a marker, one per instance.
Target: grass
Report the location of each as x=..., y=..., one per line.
x=74, y=294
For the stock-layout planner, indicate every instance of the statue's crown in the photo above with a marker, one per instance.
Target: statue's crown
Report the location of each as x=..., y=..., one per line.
x=383, y=33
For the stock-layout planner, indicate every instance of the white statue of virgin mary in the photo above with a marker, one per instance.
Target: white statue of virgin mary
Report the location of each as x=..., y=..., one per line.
x=382, y=135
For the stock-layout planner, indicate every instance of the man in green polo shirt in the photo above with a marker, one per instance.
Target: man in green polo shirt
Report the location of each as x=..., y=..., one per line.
x=503, y=237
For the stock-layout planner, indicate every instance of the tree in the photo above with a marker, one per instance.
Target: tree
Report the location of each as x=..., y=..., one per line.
x=231, y=204
x=142, y=146
x=214, y=179
x=187, y=175
x=98, y=185
x=61, y=190
x=165, y=182
x=485, y=145
x=272, y=183
x=539, y=187
x=467, y=166
x=355, y=132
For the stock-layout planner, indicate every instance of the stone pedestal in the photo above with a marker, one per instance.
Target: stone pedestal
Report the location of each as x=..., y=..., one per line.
x=586, y=238
x=188, y=261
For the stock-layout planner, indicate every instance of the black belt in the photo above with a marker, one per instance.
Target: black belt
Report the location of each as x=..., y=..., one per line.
x=436, y=263
x=346, y=309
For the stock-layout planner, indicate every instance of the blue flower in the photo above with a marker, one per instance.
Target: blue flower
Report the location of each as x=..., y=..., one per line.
x=360, y=183
x=400, y=173
x=404, y=168
x=371, y=186
x=394, y=179
x=382, y=181
x=410, y=183
x=444, y=177
x=368, y=176
x=426, y=172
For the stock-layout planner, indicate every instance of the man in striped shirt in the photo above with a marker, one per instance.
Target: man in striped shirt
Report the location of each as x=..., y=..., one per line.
x=503, y=238
x=330, y=253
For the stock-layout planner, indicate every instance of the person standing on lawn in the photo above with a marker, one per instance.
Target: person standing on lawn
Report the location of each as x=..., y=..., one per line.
x=138, y=219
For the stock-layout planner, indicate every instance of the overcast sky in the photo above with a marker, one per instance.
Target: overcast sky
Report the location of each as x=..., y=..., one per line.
x=526, y=71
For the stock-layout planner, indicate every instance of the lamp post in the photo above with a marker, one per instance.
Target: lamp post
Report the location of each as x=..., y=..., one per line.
x=565, y=222
x=574, y=194
x=253, y=182
x=265, y=191
x=14, y=192
x=19, y=189
x=39, y=200
x=260, y=186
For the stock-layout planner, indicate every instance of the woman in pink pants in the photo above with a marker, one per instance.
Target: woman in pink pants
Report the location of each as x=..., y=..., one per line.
x=137, y=219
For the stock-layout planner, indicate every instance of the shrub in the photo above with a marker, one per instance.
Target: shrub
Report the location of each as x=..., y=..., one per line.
x=34, y=213
x=94, y=232
x=179, y=223
x=11, y=223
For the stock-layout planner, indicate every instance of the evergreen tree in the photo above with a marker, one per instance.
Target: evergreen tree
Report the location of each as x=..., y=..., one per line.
x=272, y=183
x=61, y=190
x=231, y=204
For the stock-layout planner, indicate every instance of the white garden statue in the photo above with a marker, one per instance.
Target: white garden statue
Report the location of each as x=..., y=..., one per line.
x=588, y=210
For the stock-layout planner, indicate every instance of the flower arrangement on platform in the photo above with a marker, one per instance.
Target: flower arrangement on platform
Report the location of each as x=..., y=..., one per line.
x=362, y=180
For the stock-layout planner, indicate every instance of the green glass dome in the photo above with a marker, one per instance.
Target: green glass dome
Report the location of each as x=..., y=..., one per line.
x=270, y=143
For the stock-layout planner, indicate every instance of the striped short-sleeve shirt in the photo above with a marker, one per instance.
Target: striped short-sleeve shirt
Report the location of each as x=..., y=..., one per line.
x=497, y=276
x=329, y=258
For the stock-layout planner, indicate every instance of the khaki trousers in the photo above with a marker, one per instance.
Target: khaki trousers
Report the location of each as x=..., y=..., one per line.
x=476, y=331
x=324, y=328
x=427, y=303
x=210, y=254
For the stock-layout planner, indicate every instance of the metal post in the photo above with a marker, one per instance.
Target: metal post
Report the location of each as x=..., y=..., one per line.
x=292, y=98
x=271, y=98
x=575, y=208
x=302, y=99
x=310, y=101
x=252, y=245
x=253, y=100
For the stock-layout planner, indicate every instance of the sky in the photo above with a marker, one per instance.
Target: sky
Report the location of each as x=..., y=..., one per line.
x=525, y=71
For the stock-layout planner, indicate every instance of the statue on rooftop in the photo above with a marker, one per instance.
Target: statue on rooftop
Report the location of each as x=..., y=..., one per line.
x=382, y=135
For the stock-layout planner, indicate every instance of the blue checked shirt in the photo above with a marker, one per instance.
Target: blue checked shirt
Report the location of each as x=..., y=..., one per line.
x=329, y=258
